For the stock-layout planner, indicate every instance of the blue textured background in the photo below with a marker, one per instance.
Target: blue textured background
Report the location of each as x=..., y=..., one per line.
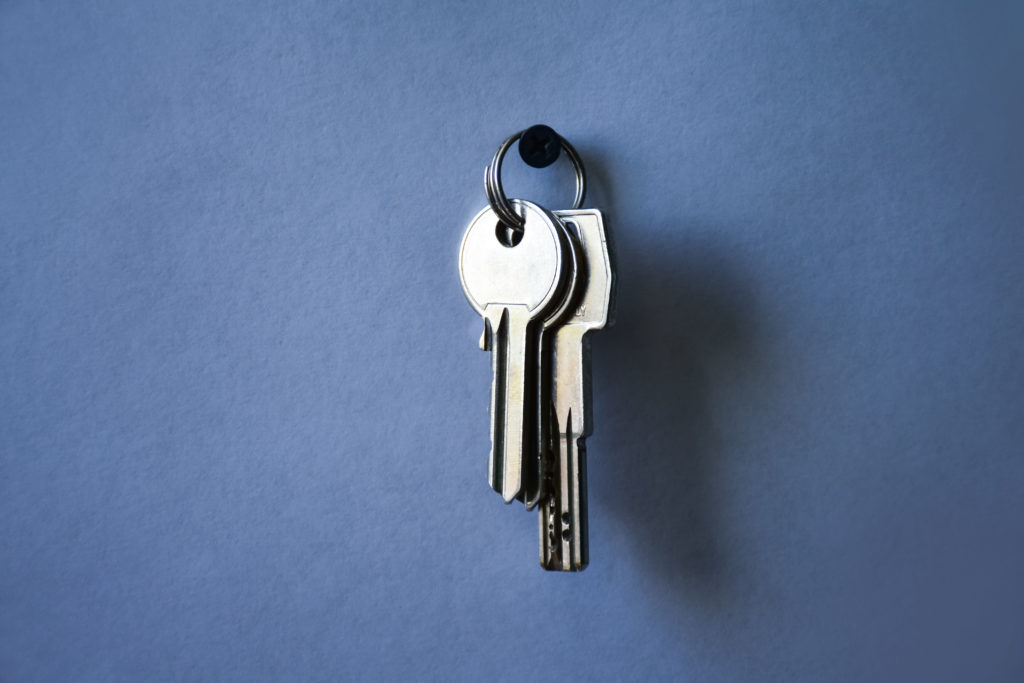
x=244, y=427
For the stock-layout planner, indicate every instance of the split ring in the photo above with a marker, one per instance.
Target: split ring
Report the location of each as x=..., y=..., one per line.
x=496, y=194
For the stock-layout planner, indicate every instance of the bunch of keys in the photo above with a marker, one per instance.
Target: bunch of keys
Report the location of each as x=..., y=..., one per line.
x=541, y=280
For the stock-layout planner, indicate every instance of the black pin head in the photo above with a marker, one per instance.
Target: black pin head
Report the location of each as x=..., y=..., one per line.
x=540, y=146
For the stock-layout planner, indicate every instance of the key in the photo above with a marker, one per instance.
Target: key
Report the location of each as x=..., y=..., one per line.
x=563, y=516
x=513, y=288
x=535, y=486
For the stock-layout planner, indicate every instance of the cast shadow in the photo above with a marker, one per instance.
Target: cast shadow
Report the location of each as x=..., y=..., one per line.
x=683, y=332
x=682, y=349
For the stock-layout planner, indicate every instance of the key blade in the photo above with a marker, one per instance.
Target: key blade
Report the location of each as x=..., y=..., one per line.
x=564, y=544
x=514, y=378
x=493, y=341
x=572, y=380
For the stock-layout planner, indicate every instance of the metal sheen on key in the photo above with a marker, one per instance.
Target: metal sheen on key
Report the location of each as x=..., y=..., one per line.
x=541, y=281
x=513, y=288
x=575, y=265
x=563, y=518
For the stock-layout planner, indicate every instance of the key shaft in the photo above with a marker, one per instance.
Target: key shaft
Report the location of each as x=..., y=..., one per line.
x=508, y=329
x=563, y=517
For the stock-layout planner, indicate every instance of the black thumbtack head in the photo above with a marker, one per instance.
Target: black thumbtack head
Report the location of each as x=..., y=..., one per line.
x=540, y=146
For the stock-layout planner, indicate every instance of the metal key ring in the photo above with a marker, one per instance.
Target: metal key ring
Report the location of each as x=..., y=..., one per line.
x=496, y=194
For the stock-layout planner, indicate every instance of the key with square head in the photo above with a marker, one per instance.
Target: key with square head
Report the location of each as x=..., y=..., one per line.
x=513, y=280
x=563, y=516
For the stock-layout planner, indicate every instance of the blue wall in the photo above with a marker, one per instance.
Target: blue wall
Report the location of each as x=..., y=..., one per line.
x=244, y=418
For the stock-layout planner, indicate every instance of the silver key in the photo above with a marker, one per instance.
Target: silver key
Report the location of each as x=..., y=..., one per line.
x=535, y=481
x=563, y=516
x=513, y=288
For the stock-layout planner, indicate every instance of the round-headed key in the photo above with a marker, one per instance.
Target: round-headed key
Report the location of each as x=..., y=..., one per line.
x=513, y=288
x=534, y=478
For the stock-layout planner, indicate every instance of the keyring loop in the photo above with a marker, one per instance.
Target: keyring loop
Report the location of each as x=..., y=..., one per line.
x=496, y=194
